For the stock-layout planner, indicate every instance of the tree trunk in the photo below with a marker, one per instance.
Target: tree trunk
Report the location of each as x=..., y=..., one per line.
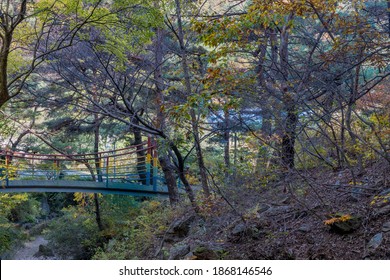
x=194, y=120
x=266, y=120
x=288, y=139
x=199, y=155
x=226, y=141
x=96, y=131
x=4, y=53
x=266, y=124
x=226, y=138
x=289, y=102
x=348, y=120
x=165, y=162
x=8, y=22
x=182, y=176
x=167, y=168
x=388, y=15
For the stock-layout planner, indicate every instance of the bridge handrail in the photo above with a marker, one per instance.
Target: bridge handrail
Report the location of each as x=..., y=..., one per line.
x=82, y=157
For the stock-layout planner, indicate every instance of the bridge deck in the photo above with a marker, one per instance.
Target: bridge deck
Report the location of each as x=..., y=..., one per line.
x=82, y=186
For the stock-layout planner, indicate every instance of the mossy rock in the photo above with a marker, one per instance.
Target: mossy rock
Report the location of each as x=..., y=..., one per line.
x=182, y=227
x=347, y=226
x=44, y=251
x=206, y=253
x=178, y=251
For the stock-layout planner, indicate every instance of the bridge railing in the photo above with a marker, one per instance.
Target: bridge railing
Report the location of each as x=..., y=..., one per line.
x=136, y=164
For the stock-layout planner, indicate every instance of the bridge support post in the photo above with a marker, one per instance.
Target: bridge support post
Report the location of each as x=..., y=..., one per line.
x=7, y=160
x=56, y=168
x=148, y=162
x=107, y=169
x=155, y=178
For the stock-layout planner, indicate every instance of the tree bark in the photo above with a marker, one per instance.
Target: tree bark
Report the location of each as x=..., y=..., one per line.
x=289, y=102
x=194, y=120
x=8, y=24
x=388, y=15
x=97, y=123
x=4, y=53
x=167, y=168
x=288, y=139
x=165, y=162
x=226, y=140
x=182, y=176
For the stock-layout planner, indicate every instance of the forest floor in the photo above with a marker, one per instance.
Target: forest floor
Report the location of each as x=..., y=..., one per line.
x=311, y=214
x=315, y=214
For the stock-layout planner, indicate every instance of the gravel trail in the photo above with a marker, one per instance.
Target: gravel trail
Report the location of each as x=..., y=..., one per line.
x=30, y=249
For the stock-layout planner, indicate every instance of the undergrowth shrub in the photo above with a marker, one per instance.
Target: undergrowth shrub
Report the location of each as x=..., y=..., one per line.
x=9, y=235
x=27, y=211
x=74, y=235
x=138, y=231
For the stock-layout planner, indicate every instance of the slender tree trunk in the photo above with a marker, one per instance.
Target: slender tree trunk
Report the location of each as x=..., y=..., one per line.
x=348, y=118
x=226, y=140
x=8, y=22
x=194, y=120
x=182, y=176
x=170, y=179
x=4, y=53
x=289, y=102
x=342, y=136
x=165, y=162
x=288, y=139
x=266, y=126
x=388, y=15
x=234, y=169
x=96, y=131
x=199, y=155
x=266, y=120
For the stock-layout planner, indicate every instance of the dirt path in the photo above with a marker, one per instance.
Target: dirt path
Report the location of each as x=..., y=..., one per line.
x=30, y=249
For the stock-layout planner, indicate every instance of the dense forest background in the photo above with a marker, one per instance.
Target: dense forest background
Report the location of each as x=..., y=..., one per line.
x=272, y=122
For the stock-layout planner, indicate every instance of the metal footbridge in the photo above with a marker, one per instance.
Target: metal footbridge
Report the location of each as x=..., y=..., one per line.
x=131, y=171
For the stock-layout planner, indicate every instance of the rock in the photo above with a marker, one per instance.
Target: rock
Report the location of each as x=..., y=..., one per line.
x=386, y=227
x=182, y=227
x=383, y=210
x=178, y=251
x=28, y=226
x=285, y=200
x=44, y=251
x=238, y=232
x=252, y=231
x=348, y=226
x=205, y=252
x=375, y=241
x=356, y=194
x=239, y=229
x=263, y=208
x=305, y=228
x=277, y=210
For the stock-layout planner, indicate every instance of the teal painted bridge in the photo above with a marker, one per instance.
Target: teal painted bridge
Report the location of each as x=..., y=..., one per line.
x=131, y=171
